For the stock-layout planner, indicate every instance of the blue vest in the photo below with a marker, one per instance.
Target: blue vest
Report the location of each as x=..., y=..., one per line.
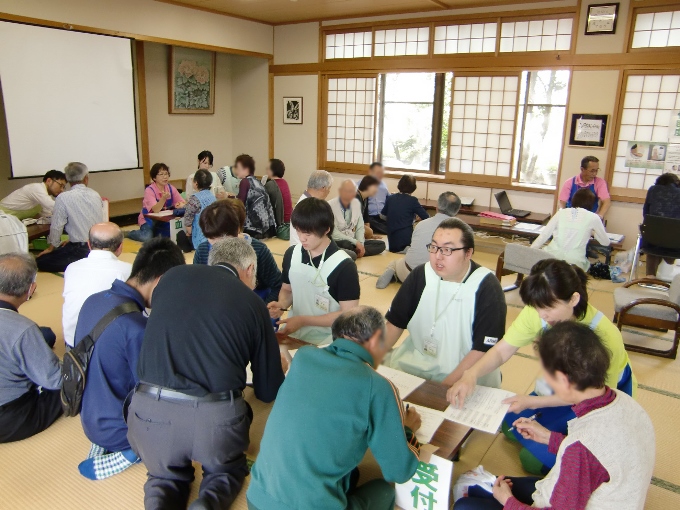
x=575, y=188
x=162, y=228
x=205, y=198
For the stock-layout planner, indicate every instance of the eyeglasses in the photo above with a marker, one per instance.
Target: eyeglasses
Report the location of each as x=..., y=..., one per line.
x=446, y=251
x=163, y=174
x=61, y=185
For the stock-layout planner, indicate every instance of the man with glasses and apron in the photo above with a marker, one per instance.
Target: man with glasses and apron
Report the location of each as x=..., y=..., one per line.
x=453, y=308
x=320, y=281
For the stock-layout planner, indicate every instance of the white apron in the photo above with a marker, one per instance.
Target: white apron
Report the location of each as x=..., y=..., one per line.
x=440, y=338
x=310, y=293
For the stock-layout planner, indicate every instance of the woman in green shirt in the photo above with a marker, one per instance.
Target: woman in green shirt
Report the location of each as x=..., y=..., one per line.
x=555, y=291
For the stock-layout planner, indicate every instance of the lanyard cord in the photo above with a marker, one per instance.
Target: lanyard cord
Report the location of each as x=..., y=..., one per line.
x=438, y=315
x=318, y=269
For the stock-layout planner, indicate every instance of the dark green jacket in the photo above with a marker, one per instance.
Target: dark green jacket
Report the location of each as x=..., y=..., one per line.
x=331, y=408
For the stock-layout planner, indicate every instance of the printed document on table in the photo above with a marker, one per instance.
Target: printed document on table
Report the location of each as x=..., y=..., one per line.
x=483, y=410
x=430, y=420
x=405, y=383
x=530, y=227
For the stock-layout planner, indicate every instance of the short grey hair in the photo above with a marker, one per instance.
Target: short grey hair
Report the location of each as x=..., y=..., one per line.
x=448, y=203
x=17, y=273
x=75, y=172
x=320, y=179
x=235, y=251
x=358, y=324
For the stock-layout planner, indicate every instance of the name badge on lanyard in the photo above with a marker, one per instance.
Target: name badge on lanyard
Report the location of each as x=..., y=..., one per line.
x=430, y=345
x=322, y=303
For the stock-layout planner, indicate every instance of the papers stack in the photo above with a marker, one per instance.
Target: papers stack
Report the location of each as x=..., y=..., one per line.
x=405, y=383
x=483, y=410
x=615, y=238
x=493, y=218
x=430, y=420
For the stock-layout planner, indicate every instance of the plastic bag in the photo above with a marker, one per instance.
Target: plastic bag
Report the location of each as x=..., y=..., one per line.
x=479, y=477
x=624, y=260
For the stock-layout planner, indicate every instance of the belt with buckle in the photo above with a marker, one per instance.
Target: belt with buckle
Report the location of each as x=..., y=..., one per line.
x=166, y=393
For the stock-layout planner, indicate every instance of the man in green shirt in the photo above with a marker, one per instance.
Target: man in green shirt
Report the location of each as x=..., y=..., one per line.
x=331, y=408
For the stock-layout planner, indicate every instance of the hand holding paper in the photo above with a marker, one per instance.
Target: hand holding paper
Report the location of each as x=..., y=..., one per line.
x=483, y=409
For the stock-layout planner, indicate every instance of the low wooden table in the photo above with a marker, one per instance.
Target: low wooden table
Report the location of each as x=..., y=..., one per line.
x=449, y=437
x=175, y=222
x=474, y=210
x=36, y=231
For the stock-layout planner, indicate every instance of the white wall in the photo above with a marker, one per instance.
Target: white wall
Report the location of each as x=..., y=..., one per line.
x=296, y=44
x=249, y=110
x=151, y=19
x=295, y=144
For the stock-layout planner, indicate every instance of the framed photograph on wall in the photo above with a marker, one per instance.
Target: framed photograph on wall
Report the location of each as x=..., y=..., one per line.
x=588, y=130
x=292, y=110
x=602, y=19
x=191, y=79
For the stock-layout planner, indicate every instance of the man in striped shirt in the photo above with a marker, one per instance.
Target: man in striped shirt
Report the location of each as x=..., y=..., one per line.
x=75, y=211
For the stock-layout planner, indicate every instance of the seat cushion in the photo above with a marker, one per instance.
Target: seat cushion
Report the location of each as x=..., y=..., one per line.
x=521, y=259
x=623, y=296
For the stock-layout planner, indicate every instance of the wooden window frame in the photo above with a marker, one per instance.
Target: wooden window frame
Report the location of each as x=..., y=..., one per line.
x=477, y=179
x=634, y=11
x=549, y=16
x=335, y=166
x=626, y=194
x=471, y=21
x=515, y=179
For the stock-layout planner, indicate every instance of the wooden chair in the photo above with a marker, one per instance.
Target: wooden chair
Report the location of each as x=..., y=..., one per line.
x=639, y=306
x=518, y=259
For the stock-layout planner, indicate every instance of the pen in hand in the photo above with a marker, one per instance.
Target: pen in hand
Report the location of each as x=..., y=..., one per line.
x=530, y=418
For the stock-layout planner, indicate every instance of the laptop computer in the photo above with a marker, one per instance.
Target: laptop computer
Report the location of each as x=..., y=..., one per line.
x=506, y=208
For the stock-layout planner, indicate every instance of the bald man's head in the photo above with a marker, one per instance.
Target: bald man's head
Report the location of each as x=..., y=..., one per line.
x=347, y=192
x=106, y=236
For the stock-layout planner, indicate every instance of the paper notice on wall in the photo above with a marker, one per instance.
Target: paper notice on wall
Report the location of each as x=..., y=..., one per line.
x=483, y=410
x=649, y=155
x=672, y=162
x=430, y=487
x=588, y=130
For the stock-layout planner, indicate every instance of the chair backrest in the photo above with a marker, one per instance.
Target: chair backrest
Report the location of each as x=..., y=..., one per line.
x=521, y=259
x=661, y=232
x=674, y=291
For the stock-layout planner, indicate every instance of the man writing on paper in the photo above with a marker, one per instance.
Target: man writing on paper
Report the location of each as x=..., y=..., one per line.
x=320, y=472
x=453, y=308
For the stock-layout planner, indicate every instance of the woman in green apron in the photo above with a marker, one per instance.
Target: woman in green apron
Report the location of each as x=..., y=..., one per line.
x=320, y=281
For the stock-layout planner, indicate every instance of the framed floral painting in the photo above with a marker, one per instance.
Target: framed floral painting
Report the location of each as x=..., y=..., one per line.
x=191, y=81
x=292, y=110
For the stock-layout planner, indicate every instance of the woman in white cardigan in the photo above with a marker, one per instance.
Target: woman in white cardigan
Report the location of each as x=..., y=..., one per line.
x=572, y=228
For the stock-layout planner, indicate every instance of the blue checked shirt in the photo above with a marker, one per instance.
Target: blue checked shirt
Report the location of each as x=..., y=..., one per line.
x=75, y=211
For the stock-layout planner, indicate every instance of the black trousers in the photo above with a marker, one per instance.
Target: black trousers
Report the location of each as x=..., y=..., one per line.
x=57, y=260
x=378, y=224
x=168, y=434
x=372, y=247
x=29, y=414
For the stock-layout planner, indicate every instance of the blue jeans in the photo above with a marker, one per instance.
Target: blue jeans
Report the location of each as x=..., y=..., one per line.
x=522, y=489
x=147, y=232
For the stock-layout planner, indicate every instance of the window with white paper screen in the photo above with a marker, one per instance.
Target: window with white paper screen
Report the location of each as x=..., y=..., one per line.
x=657, y=30
x=348, y=45
x=482, y=125
x=401, y=41
x=68, y=96
x=536, y=35
x=648, y=104
x=473, y=38
x=351, y=114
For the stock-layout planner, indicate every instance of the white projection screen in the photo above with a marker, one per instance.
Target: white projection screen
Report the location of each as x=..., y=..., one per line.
x=68, y=96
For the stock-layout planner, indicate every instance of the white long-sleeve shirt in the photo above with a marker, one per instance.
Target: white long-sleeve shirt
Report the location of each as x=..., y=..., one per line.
x=85, y=277
x=29, y=196
x=571, y=230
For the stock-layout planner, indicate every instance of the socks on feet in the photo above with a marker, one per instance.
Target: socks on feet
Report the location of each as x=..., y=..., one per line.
x=385, y=279
x=103, y=466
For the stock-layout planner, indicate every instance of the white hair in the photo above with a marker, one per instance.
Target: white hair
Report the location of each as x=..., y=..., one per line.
x=320, y=179
x=235, y=251
x=75, y=172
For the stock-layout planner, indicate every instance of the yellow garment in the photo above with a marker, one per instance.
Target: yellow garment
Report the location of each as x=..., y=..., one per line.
x=528, y=324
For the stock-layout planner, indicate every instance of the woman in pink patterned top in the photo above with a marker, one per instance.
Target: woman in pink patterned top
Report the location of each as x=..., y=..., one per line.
x=159, y=196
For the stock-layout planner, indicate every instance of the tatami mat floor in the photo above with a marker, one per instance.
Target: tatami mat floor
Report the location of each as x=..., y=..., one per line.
x=41, y=472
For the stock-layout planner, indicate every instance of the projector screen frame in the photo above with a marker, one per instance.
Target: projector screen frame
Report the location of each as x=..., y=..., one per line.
x=139, y=94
